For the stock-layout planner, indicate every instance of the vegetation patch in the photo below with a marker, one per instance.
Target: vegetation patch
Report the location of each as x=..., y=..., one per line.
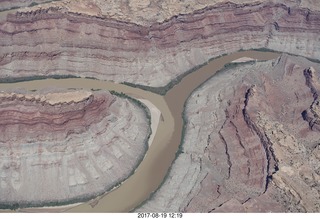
x=92, y=89
x=9, y=9
x=33, y=78
x=92, y=78
x=33, y=4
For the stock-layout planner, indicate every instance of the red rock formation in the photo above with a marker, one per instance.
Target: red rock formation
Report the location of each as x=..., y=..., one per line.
x=250, y=146
x=70, y=146
x=247, y=148
x=38, y=119
x=54, y=41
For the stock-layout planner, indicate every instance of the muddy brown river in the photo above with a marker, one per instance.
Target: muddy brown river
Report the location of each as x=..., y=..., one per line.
x=160, y=155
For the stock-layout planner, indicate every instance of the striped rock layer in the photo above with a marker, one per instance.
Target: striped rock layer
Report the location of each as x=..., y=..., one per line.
x=55, y=41
x=69, y=150
x=251, y=145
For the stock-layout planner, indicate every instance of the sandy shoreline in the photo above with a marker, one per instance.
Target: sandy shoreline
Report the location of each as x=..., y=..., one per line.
x=243, y=59
x=155, y=118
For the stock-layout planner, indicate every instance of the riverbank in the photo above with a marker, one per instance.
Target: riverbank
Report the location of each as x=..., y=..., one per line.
x=158, y=159
x=214, y=111
x=176, y=103
x=133, y=107
x=205, y=74
x=155, y=118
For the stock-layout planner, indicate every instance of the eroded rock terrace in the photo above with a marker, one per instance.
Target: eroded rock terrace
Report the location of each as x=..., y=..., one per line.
x=250, y=146
x=61, y=41
x=69, y=145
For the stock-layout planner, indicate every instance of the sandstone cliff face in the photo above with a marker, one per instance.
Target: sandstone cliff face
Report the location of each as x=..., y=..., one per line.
x=54, y=40
x=251, y=145
x=70, y=145
x=250, y=148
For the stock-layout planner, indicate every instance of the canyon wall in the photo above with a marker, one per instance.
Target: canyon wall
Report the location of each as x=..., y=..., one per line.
x=56, y=41
x=70, y=145
x=251, y=145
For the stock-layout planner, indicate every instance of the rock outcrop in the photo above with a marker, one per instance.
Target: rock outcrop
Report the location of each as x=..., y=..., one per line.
x=69, y=145
x=312, y=114
x=145, y=12
x=251, y=145
x=57, y=41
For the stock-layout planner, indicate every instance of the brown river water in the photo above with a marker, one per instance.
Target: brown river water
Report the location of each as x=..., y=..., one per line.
x=160, y=155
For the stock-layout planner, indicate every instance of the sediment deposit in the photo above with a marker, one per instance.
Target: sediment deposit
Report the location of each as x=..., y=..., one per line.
x=54, y=40
x=251, y=145
x=69, y=145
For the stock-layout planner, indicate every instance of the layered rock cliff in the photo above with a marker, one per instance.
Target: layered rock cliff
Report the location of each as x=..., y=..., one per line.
x=251, y=145
x=55, y=40
x=70, y=146
x=143, y=12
